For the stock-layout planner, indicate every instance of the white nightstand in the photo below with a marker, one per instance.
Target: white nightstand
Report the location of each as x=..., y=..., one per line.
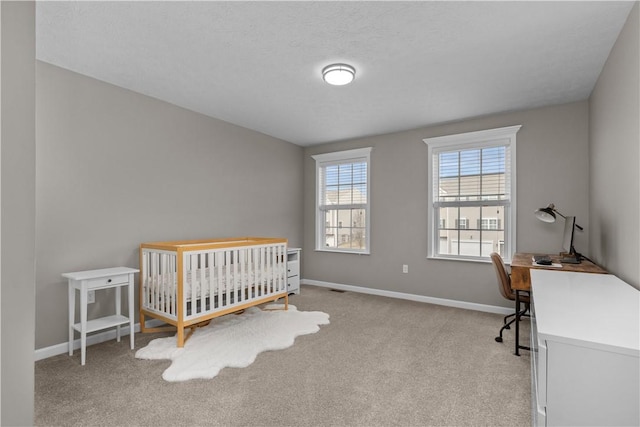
x=93, y=280
x=293, y=270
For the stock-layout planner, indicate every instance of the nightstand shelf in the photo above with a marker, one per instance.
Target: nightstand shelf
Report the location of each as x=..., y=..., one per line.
x=102, y=323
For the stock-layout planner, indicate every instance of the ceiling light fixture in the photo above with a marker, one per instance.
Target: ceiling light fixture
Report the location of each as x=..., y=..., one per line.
x=338, y=74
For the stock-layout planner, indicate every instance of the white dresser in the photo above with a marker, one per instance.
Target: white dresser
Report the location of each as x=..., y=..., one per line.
x=585, y=344
x=293, y=270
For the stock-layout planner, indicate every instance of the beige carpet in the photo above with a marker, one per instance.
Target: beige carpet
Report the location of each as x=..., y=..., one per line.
x=381, y=362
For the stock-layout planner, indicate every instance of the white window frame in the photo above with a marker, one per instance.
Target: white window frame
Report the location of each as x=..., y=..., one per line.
x=505, y=136
x=358, y=155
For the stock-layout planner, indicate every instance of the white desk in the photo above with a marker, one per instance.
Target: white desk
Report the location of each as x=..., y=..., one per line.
x=92, y=280
x=586, y=349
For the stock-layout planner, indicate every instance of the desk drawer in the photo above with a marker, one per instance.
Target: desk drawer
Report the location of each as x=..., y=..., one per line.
x=107, y=281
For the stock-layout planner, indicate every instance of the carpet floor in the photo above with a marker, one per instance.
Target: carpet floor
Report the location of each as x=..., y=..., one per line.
x=380, y=362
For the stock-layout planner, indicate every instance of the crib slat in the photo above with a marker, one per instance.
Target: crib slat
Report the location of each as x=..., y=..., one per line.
x=277, y=266
x=283, y=257
x=269, y=281
x=220, y=289
x=155, y=269
x=144, y=279
x=173, y=283
x=236, y=298
x=183, y=273
x=227, y=270
x=260, y=268
x=162, y=282
x=211, y=270
x=193, y=284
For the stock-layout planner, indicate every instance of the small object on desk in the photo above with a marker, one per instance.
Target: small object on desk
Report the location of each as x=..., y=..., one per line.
x=552, y=265
x=542, y=259
x=570, y=260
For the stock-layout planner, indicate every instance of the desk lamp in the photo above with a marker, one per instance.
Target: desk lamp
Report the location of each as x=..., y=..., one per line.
x=548, y=214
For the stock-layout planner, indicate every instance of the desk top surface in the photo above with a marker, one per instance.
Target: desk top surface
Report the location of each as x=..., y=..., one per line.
x=522, y=259
x=592, y=310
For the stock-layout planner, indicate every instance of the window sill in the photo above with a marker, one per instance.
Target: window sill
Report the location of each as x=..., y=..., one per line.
x=343, y=252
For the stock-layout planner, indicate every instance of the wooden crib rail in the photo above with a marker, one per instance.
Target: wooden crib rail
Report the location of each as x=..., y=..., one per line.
x=205, y=244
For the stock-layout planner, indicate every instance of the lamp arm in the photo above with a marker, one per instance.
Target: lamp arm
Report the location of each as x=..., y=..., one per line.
x=558, y=212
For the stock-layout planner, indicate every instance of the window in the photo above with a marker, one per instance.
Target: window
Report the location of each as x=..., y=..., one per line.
x=472, y=186
x=342, y=201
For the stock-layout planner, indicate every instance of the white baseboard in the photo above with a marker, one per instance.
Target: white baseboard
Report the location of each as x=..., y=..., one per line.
x=62, y=348
x=412, y=297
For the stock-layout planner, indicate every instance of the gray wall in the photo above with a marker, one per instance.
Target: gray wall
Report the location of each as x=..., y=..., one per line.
x=615, y=157
x=552, y=166
x=18, y=211
x=116, y=169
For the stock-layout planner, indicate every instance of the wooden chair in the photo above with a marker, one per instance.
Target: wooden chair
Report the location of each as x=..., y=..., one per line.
x=504, y=284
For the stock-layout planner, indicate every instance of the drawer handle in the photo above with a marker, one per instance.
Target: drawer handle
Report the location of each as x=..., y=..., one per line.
x=109, y=281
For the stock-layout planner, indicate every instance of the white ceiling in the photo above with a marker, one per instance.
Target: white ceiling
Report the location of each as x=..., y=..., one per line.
x=257, y=64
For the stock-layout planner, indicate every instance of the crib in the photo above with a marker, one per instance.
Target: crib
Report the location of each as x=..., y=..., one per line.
x=187, y=283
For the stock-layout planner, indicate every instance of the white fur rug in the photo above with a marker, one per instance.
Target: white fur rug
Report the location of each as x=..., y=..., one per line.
x=233, y=341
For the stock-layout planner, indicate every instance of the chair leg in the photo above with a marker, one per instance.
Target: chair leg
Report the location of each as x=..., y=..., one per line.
x=507, y=325
x=504, y=321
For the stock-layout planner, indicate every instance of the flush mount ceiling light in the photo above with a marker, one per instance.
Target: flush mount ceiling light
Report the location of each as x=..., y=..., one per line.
x=338, y=74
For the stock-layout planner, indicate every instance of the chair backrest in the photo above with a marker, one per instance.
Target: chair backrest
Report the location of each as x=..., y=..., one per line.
x=504, y=280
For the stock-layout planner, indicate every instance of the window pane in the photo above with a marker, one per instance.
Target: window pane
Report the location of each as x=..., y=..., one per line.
x=344, y=196
x=470, y=162
x=330, y=237
x=345, y=228
x=359, y=195
x=443, y=245
x=471, y=175
x=358, y=238
x=493, y=170
x=450, y=235
x=492, y=223
x=359, y=173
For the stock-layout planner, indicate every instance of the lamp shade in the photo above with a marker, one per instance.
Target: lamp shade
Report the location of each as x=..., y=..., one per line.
x=546, y=214
x=338, y=74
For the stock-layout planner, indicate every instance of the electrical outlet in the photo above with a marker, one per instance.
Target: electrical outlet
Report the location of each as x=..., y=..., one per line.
x=91, y=297
x=405, y=268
